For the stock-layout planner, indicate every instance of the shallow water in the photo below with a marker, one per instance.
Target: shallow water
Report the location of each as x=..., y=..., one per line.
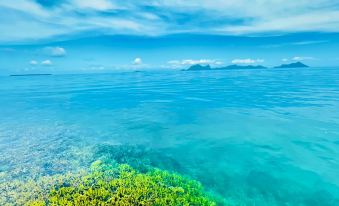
x=253, y=137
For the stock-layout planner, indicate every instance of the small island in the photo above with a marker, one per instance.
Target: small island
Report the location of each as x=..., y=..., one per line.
x=293, y=65
x=198, y=67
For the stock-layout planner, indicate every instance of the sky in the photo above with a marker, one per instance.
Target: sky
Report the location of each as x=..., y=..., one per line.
x=68, y=36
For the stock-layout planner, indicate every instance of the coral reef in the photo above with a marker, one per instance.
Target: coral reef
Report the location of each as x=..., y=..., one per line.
x=137, y=156
x=108, y=184
x=110, y=178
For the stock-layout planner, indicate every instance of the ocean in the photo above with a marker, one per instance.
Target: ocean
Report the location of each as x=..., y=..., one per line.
x=251, y=137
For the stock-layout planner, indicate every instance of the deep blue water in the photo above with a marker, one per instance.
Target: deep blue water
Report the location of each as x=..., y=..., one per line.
x=253, y=137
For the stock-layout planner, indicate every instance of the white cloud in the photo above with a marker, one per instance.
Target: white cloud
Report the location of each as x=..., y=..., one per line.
x=193, y=62
x=55, y=51
x=33, y=62
x=297, y=58
x=247, y=61
x=47, y=63
x=137, y=61
x=285, y=60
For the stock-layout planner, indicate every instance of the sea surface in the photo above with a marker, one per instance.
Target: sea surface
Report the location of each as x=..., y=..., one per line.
x=251, y=137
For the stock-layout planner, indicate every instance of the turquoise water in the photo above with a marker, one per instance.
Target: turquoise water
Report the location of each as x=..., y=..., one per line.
x=252, y=137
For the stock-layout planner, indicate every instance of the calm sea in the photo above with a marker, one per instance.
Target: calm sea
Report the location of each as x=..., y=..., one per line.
x=253, y=137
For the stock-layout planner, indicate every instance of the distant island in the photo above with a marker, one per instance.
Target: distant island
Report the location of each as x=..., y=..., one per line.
x=22, y=75
x=198, y=67
x=293, y=65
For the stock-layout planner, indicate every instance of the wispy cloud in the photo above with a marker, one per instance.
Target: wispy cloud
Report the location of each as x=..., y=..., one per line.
x=33, y=62
x=100, y=5
x=298, y=58
x=247, y=61
x=55, y=51
x=27, y=20
x=188, y=62
x=309, y=42
x=296, y=43
x=46, y=62
x=95, y=67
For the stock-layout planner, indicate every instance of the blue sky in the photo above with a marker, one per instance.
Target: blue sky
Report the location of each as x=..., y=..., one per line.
x=104, y=35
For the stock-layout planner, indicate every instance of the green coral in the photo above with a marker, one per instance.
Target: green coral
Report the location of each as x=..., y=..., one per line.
x=106, y=185
x=120, y=184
